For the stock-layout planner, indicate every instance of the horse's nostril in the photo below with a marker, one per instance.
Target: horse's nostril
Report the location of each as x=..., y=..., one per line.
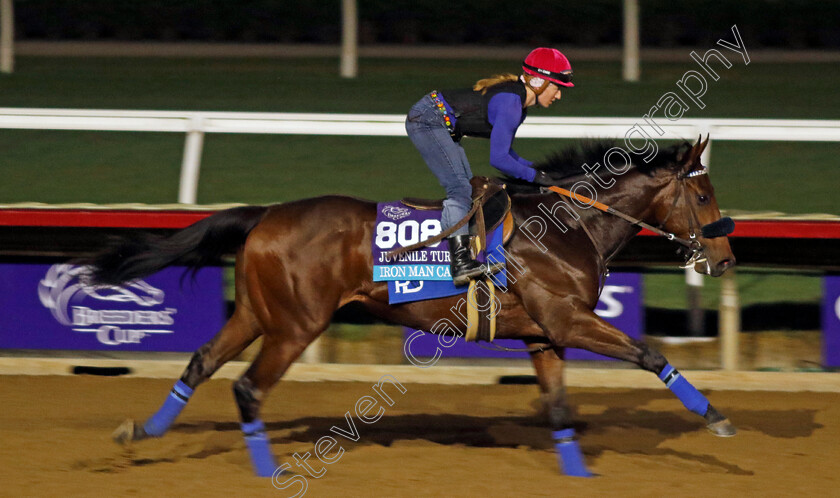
x=726, y=263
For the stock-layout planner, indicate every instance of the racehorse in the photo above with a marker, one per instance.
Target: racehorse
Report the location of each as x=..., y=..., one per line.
x=299, y=262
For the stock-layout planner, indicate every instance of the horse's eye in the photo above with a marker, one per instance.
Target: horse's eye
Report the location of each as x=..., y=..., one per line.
x=702, y=199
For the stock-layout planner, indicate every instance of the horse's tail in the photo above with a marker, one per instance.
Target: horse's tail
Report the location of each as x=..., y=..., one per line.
x=200, y=244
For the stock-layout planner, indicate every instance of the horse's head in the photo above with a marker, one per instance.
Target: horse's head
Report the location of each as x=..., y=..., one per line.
x=688, y=208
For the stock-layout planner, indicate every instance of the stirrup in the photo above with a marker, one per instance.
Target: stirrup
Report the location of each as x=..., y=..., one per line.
x=483, y=269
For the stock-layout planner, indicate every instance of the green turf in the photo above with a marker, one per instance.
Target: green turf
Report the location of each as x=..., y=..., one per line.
x=71, y=166
x=755, y=286
x=391, y=86
x=791, y=177
x=58, y=166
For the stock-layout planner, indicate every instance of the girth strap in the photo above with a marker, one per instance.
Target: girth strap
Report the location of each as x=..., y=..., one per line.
x=481, y=311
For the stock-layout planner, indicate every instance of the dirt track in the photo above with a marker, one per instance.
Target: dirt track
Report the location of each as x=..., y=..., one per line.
x=435, y=441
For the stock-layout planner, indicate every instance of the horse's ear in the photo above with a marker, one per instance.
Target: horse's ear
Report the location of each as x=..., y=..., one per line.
x=688, y=160
x=701, y=146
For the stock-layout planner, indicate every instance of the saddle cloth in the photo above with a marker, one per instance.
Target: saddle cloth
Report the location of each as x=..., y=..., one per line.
x=422, y=273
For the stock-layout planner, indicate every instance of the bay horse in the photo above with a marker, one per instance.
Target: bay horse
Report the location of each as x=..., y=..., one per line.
x=299, y=262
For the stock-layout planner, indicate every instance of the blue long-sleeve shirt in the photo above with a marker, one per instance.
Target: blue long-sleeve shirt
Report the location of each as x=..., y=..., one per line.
x=504, y=112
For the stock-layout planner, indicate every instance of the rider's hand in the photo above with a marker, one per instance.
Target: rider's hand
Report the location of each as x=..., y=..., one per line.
x=543, y=179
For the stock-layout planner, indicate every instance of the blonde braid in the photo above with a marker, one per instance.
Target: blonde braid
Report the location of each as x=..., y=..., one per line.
x=483, y=84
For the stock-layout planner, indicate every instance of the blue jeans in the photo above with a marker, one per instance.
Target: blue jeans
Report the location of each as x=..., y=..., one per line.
x=445, y=157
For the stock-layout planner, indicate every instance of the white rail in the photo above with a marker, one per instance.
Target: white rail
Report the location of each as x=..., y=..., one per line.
x=196, y=123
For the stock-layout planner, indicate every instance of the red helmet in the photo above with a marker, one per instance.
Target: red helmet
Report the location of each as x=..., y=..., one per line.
x=550, y=64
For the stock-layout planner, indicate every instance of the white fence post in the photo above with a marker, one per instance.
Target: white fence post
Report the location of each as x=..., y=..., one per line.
x=630, y=60
x=729, y=321
x=7, y=36
x=696, y=312
x=349, y=38
x=190, y=166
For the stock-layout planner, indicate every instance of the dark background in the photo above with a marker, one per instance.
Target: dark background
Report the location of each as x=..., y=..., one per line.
x=665, y=23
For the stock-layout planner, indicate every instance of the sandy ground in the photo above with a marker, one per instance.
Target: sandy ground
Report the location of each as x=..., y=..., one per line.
x=434, y=441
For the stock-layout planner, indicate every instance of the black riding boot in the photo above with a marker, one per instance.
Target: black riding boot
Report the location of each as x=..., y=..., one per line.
x=461, y=265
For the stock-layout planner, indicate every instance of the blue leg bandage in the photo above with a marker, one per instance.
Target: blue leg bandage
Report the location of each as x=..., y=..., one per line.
x=159, y=423
x=569, y=455
x=258, y=447
x=688, y=394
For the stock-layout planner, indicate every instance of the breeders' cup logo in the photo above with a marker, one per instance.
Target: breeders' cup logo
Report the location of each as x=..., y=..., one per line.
x=396, y=212
x=64, y=287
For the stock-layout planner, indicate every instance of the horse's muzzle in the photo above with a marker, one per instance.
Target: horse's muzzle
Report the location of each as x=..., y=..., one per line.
x=719, y=228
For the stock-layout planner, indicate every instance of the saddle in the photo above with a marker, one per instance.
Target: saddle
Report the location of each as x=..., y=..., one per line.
x=495, y=207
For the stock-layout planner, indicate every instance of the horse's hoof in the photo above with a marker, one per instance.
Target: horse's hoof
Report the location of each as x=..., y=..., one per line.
x=722, y=428
x=125, y=433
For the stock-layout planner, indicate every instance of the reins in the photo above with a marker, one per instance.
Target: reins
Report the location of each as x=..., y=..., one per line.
x=633, y=221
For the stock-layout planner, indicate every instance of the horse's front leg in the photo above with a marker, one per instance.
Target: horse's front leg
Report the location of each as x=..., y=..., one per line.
x=549, y=367
x=590, y=332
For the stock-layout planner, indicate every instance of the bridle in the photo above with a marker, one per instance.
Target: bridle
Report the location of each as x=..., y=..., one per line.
x=692, y=250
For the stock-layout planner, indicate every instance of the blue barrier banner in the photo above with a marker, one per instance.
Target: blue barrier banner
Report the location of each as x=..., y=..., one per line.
x=831, y=321
x=50, y=307
x=620, y=304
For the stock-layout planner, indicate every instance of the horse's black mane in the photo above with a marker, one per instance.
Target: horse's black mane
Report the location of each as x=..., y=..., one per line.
x=567, y=164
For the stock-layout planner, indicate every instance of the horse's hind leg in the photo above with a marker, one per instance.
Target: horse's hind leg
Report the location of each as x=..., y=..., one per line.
x=594, y=334
x=232, y=339
x=549, y=366
x=275, y=357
